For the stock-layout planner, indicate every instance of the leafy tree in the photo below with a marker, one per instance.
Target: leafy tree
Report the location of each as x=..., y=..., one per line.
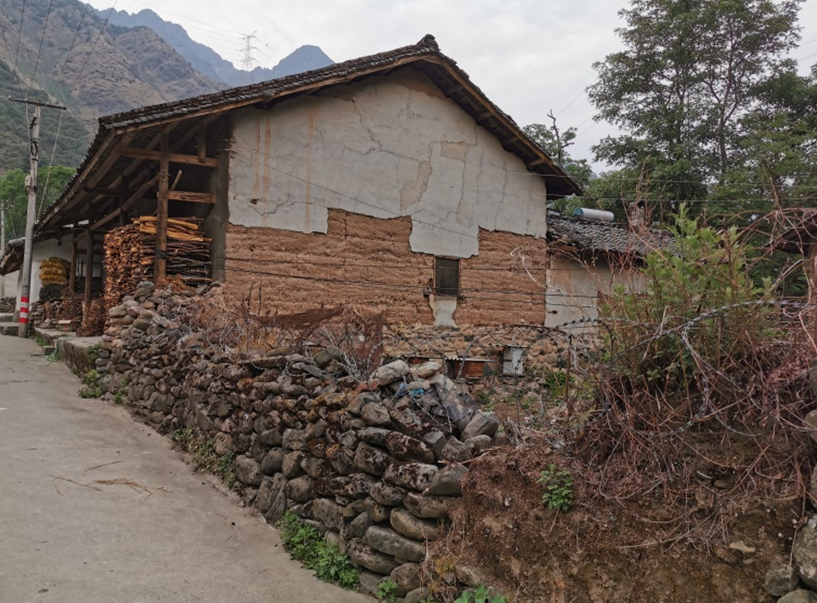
x=555, y=143
x=689, y=74
x=13, y=193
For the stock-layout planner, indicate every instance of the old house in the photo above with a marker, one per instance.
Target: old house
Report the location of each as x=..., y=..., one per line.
x=588, y=258
x=389, y=182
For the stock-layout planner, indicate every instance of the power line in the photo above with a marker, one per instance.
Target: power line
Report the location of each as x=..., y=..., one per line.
x=540, y=295
x=71, y=47
x=42, y=39
x=250, y=161
x=17, y=51
x=93, y=47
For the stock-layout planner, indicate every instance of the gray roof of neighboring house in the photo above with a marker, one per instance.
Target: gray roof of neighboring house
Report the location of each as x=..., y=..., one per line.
x=605, y=237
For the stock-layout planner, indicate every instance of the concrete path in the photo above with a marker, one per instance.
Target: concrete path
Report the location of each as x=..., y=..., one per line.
x=95, y=507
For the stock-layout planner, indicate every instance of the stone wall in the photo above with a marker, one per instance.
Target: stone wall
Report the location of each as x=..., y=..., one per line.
x=376, y=465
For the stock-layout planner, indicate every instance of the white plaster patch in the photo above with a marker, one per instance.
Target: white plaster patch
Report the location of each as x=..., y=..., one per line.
x=443, y=309
x=384, y=149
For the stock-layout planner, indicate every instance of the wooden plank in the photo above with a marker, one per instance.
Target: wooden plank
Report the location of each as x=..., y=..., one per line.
x=191, y=197
x=536, y=162
x=172, y=157
x=161, y=211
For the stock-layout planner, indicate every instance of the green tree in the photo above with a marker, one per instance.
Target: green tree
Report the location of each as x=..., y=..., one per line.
x=690, y=72
x=13, y=192
x=555, y=143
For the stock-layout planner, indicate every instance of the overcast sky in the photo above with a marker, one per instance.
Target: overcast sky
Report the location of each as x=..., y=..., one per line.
x=528, y=56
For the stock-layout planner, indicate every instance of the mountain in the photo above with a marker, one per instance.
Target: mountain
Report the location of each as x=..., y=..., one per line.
x=66, y=54
x=208, y=62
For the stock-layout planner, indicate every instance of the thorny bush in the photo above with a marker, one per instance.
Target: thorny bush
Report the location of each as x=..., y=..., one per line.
x=700, y=388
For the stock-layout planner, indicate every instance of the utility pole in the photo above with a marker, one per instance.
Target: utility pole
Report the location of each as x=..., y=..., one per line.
x=31, y=215
x=2, y=243
x=247, y=60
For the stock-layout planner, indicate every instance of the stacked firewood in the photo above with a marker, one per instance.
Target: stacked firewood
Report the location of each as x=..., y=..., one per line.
x=70, y=307
x=188, y=250
x=123, y=267
x=130, y=254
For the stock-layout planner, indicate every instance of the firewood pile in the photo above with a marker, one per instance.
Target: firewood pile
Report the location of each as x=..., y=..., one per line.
x=130, y=254
x=93, y=319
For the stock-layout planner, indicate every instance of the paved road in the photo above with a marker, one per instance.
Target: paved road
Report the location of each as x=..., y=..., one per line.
x=95, y=507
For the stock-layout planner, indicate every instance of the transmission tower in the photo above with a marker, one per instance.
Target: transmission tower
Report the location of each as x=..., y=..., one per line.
x=247, y=60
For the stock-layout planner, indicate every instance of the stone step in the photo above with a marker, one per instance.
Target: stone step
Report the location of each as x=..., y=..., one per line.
x=9, y=328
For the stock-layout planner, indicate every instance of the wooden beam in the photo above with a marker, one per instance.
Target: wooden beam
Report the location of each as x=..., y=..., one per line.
x=172, y=157
x=483, y=115
x=161, y=212
x=510, y=140
x=136, y=196
x=108, y=192
x=191, y=197
x=536, y=162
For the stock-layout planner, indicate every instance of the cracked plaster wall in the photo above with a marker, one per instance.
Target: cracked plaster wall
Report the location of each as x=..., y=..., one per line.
x=390, y=147
x=574, y=287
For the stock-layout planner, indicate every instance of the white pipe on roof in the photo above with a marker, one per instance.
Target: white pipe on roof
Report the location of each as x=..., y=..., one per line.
x=593, y=214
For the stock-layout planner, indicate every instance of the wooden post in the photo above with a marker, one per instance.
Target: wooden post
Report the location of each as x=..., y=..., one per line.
x=201, y=142
x=123, y=197
x=89, y=268
x=161, y=213
x=72, y=275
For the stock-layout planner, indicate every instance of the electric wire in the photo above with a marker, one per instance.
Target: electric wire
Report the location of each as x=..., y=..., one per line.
x=71, y=47
x=93, y=47
x=17, y=50
x=42, y=39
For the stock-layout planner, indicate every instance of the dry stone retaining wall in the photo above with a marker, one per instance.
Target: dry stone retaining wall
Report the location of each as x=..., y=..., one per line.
x=375, y=465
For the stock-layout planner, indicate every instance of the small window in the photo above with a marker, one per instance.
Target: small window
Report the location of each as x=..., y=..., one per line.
x=446, y=277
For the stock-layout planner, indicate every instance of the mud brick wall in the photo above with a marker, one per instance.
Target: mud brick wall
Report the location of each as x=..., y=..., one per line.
x=375, y=465
x=367, y=262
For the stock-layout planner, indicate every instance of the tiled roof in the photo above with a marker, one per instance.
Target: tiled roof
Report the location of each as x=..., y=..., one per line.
x=425, y=56
x=606, y=237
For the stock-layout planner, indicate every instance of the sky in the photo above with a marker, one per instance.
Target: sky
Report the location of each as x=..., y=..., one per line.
x=528, y=56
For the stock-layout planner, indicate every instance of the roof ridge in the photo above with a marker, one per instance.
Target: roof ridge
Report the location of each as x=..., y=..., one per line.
x=426, y=45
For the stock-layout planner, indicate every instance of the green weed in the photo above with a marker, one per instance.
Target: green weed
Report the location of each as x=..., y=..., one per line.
x=307, y=545
x=558, y=484
x=93, y=385
x=480, y=595
x=387, y=590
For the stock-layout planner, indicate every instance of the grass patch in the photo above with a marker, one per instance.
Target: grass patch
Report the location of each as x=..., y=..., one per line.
x=307, y=545
x=93, y=385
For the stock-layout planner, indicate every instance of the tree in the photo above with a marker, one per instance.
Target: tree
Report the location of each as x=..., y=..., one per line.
x=690, y=72
x=13, y=191
x=555, y=143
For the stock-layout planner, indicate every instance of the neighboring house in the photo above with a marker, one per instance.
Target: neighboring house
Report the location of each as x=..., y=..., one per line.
x=588, y=258
x=388, y=182
x=42, y=249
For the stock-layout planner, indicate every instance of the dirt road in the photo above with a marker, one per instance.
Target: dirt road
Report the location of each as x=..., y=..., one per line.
x=95, y=507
